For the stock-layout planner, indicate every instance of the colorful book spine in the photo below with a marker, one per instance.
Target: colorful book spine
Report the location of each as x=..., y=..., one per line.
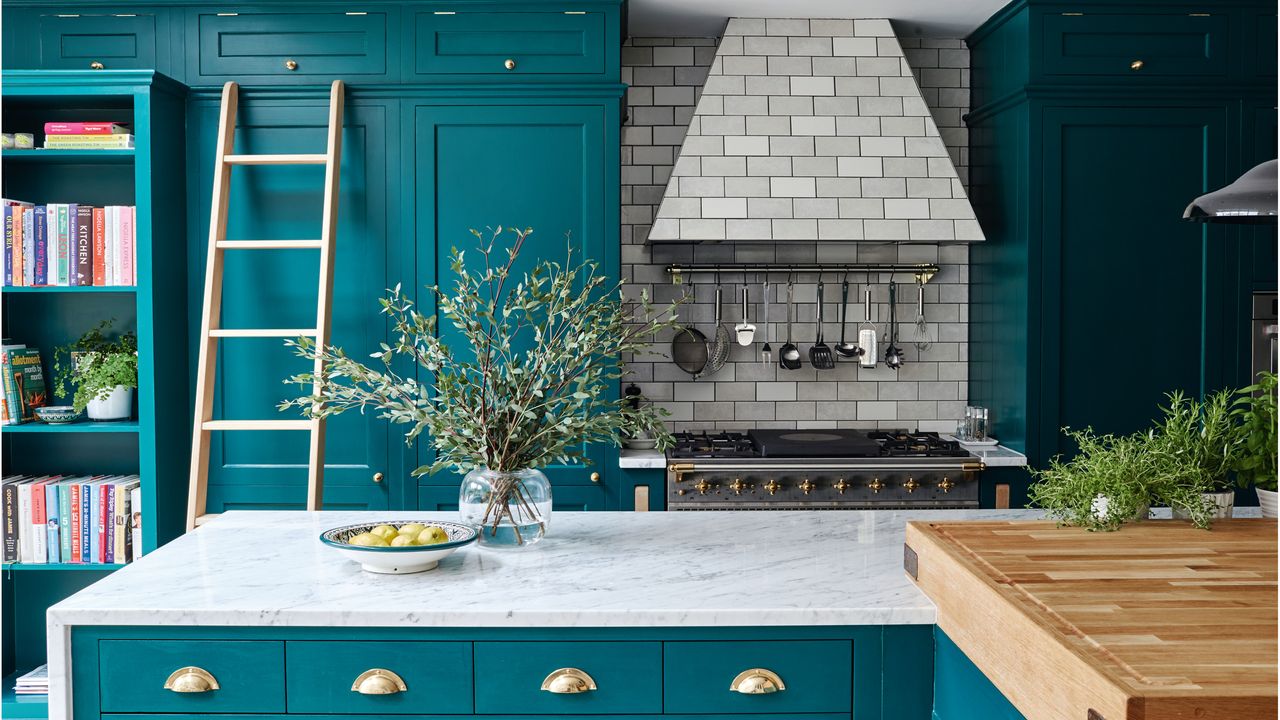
x=12, y=396
x=9, y=506
x=109, y=257
x=39, y=523
x=84, y=128
x=40, y=254
x=24, y=522
x=28, y=377
x=86, y=523
x=109, y=520
x=75, y=522
x=99, y=246
x=8, y=244
x=64, y=515
x=82, y=266
x=135, y=523
x=58, y=261
x=125, y=270
x=120, y=518
x=88, y=142
x=28, y=246
x=21, y=212
x=52, y=518
x=104, y=520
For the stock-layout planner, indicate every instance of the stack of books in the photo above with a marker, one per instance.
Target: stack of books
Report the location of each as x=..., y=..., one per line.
x=69, y=245
x=71, y=519
x=86, y=136
x=35, y=682
x=22, y=385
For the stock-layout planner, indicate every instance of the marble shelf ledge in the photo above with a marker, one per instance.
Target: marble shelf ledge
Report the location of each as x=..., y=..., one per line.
x=643, y=459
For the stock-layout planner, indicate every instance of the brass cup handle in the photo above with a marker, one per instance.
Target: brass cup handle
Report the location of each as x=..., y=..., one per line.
x=290, y=64
x=1136, y=65
x=95, y=65
x=378, y=681
x=757, y=681
x=568, y=681
x=509, y=64
x=191, y=680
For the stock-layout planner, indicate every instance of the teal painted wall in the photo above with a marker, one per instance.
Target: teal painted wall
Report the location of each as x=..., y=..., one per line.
x=960, y=690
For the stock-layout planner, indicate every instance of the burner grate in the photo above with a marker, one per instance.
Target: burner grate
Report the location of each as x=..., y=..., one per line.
x=711, y=445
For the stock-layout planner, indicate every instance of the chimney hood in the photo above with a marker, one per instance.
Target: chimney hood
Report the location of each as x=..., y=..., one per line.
x=1250, y=200
x=813, y=130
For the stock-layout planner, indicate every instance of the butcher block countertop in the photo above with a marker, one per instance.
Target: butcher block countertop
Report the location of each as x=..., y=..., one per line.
x=1158, y=620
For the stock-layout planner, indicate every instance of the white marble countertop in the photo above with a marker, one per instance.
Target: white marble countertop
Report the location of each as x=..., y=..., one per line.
x=643, y=459
x=991, y=455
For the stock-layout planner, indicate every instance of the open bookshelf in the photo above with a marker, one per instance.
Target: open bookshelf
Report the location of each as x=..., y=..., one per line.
x=154, y=443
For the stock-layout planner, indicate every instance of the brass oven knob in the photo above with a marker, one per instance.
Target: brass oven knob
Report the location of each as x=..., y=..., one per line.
x=378, y=681
x=806, y=486
x=95, y=65
x=1136, y=65
x=737, y=486
x=841, y=486
x=910, y=485
x=703, y=486
x=946, y=484
x=875, y=485
x=773, y=487
x=509, y=64
x=290, y=64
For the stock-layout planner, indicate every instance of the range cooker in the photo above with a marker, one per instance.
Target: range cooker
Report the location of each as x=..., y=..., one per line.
x=817, y=469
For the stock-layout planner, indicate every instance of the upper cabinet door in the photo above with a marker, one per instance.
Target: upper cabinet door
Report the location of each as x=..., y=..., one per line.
x=289, y=47
x=77, y=38
x=279, y=289
x=1136, y=47
x=508, y=46
x=539, y=166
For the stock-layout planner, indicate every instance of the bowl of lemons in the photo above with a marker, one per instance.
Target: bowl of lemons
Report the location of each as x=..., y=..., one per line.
x=398, y=548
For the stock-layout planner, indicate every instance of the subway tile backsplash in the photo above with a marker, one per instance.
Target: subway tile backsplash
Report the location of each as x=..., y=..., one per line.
x=666, y=76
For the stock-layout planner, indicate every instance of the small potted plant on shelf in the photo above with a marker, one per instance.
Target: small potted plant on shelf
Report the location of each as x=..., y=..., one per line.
x=103, y=370
x=1255, y=464
x=1195, y=446
x=522, y=384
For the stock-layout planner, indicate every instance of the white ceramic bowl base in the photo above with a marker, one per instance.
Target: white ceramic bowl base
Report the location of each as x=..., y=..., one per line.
x=399, y=564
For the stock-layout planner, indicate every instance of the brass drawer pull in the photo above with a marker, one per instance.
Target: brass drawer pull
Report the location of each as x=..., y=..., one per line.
x=95, y=65
x=595, y=477
x=191, y=680
x=378, y=682
x=1136, y=65
x=290, y=64
x=757, y=681
x=568, y=681
x=509, y=64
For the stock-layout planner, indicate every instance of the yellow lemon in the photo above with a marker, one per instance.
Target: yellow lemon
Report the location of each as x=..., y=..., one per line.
x=401, y=540
x=432, y=535
x=386, y=532
x=412, y=529
x=364, y=539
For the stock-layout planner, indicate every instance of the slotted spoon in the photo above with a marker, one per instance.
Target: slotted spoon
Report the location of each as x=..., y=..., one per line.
x=789, y=354
x=820, y=355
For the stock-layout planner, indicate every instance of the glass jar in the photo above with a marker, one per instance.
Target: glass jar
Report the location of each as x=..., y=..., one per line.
x=511, y=509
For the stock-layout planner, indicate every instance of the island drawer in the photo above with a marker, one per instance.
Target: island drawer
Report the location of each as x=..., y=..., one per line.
x=616, y=677
x=191, y=676
x=429, y=678
x=815, y=675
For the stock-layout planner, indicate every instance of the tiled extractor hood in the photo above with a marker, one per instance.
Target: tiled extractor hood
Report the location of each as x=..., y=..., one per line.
x=813, y=130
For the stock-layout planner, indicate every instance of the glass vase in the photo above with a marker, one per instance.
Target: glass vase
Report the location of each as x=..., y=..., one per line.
x=511, y=509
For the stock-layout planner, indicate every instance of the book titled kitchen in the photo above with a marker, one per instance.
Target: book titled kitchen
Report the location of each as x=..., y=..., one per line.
x=69, y=245
x=87, y=136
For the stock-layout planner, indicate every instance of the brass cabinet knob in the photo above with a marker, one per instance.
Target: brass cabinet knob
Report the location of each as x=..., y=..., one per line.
x=875, y=485
x=773, y=487
x=595, y=477
x=509, y=64
x=568, y=681
x=1136, y=65
x=378, y=681
x=191, y=680
x=95, y=65
x=841, y=486
x=757, y=681
x=377, y=477
x=946, y=484
x=290, y=64
x=910, y=485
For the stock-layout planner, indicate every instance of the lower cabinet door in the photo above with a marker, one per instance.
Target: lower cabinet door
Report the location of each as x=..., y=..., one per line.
x=191, y=676
x=568, y=678
x=787, y=676
x=426, y=678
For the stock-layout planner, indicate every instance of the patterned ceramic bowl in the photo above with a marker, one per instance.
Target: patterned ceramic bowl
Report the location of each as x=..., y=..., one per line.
x=398, y=560
x=57, y=414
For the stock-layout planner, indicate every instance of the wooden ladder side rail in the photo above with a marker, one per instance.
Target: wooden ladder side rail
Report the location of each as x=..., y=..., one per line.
x=211, y=315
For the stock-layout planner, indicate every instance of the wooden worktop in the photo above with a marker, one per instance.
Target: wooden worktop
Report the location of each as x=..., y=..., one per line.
x=1158, y=620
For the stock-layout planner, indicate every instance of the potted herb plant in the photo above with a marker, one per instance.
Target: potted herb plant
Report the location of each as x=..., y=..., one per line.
x=1195, y=445
x=523, y=384
x=1104, y=485
x=1255, y=464
x=103, y=371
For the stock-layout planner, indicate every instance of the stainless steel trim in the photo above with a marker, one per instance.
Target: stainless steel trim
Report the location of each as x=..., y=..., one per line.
x=855, y=465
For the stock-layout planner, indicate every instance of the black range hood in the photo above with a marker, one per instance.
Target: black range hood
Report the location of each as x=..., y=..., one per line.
x=1250, y=200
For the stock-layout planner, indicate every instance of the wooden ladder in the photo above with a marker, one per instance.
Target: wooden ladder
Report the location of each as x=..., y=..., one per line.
x=210, y=325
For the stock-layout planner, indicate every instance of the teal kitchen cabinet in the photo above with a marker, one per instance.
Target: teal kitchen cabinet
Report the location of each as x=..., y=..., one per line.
x=961, y=691
x=1091, y=130
x=84, y=37
x=541, y=163
x=266, y=289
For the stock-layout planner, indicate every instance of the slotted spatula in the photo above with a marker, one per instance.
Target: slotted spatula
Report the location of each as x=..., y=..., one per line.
x=745, y=331
x=820, y=355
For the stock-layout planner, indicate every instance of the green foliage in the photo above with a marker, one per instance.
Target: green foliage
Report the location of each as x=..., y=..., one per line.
x=482, y=403
x=1114, y=467
x=1255, y=410
x=1197, y=444
x=95, y=364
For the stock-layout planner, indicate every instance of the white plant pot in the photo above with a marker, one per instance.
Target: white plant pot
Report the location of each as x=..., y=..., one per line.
x=1267, y=502
x=1101, y=504
x=1224, y=502
x=118, y=405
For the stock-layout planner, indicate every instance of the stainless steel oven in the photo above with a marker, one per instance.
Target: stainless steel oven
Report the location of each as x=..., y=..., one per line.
x=1264, y=332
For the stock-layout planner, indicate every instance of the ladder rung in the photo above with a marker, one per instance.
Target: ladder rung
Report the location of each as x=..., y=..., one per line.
x=205, y=518
x=293, y=159
x=256, y=425
x=262, y=332
x=270, y=244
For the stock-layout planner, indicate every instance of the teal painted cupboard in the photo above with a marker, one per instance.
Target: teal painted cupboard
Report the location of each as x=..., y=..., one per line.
x=1092, y=126
x=459, y=116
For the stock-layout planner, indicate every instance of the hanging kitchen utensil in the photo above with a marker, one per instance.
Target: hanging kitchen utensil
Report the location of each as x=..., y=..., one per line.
x=745, y=331
x=789, y=355
x=924, y=331
x=867, y=335
x=766, y=352
x=718, y=353
x=846, y=349
x=893, y=354
x=689, y=350
x=820, y=355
